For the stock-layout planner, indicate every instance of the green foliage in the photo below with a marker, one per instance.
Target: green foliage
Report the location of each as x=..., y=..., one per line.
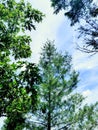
x=18, y=92
x=18, y=80
x=87, y=117
x=60, y=107
x=15, y=18
x=88, y=35
x=74, y=9
x=87, y=12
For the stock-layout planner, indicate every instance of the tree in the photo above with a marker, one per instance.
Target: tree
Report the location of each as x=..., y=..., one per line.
x=74, y=9
x=83, y=12
x=88, y=34
x=18, y=78
x=60, y=107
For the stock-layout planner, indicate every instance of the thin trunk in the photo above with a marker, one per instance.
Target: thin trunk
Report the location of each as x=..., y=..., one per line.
x=49, y=121
x=49, y=114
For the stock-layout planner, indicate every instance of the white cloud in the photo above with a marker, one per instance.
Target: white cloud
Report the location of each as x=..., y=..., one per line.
x=86, y=93
x=92, y=95
x=83, y=61
x=48, y=29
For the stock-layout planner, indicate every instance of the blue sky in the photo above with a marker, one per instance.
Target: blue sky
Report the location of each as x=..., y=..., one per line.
x=57, y=27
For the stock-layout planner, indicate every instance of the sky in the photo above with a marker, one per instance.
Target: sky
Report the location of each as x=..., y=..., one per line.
x=57, y=28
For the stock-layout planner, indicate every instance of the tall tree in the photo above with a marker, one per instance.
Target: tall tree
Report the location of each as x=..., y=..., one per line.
x=60, y=107
x=18, y=79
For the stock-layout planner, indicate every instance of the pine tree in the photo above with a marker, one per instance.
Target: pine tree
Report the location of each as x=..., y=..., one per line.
x=60, y=107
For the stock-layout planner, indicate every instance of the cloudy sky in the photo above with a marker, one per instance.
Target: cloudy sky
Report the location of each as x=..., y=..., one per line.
x=57, y=27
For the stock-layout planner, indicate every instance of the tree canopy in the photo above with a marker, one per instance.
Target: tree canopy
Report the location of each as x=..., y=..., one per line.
x=74, y=9
x=88, y=35
x=83, y=12
x=18, y=79
x=15, y=18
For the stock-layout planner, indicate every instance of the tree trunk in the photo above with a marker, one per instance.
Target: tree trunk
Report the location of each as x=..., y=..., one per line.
x=49, y=121
x=49, y=113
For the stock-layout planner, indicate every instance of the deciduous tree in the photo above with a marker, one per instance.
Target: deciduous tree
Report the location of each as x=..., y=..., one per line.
x=18, y=79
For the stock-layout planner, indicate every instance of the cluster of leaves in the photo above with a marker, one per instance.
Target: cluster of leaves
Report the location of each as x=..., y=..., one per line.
x=18, y=80
x=90, y=42
x=85, y=11
x=18, y=92
x=74, y=9
x=15, y=18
